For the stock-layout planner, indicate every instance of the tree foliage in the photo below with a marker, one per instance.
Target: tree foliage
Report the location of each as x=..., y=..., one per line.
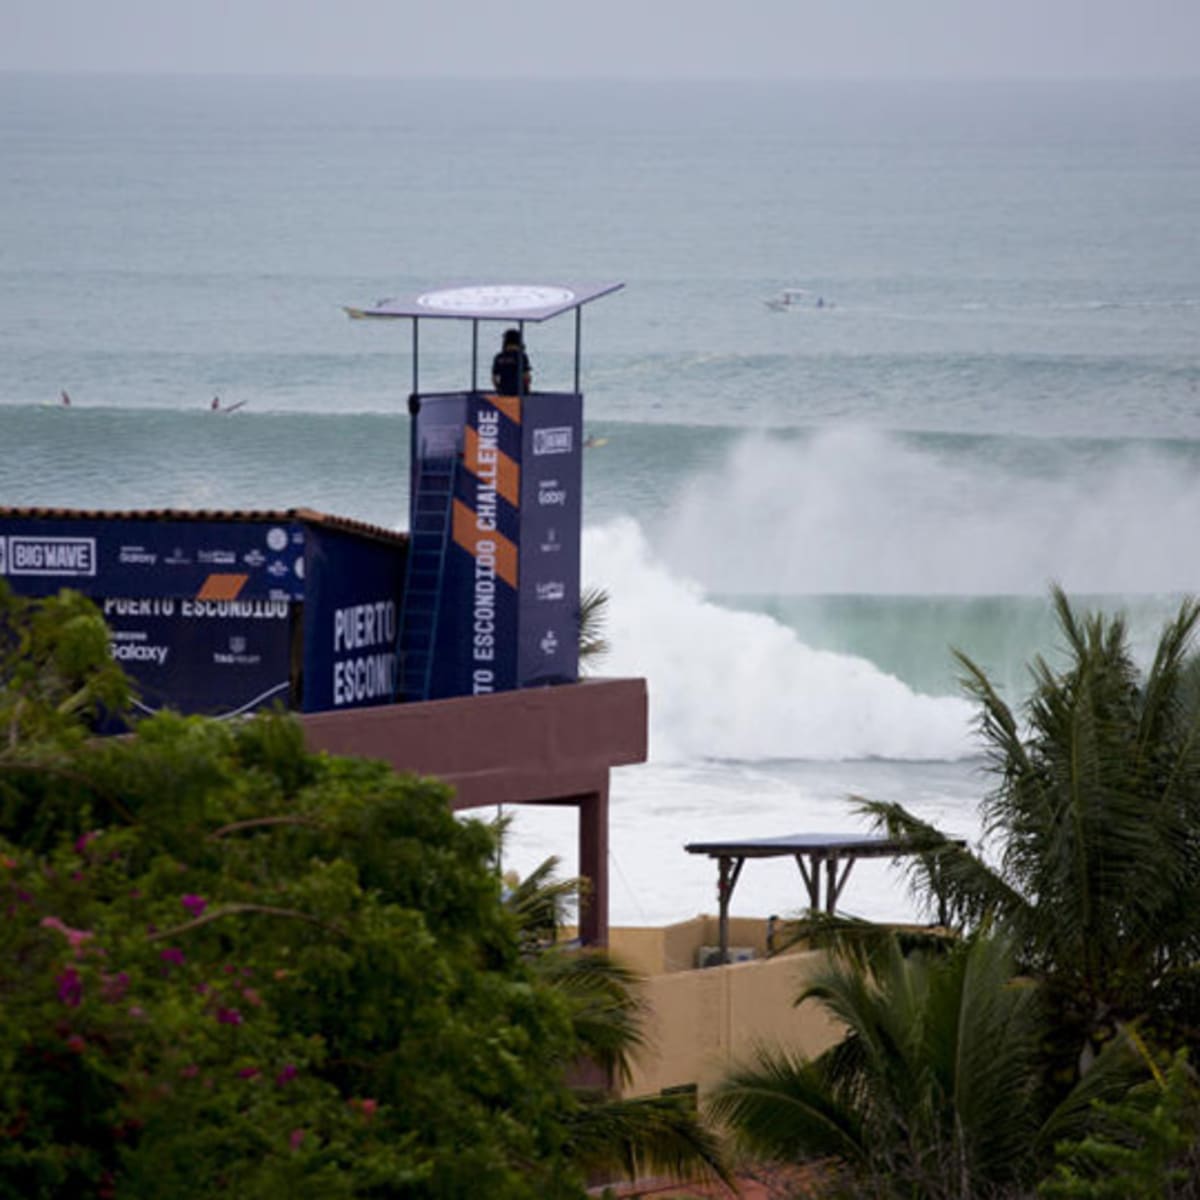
x=233, y=967
x=937, y=1089
x=1095, y=816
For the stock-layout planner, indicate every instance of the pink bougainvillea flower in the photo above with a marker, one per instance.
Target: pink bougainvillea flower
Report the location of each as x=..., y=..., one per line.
x=286, y=1076
x=249, y=1073
x=194, y=904
x=81, y=842
x=229, y=1016
x=70, y=987
x=190, y=1071
x=76, y=1044
x=5, y=861
x=368, y=1107
x=252, y=997
x=114, y=987
x=296, y=1139
x=137, y=1011
x=173, y=955
x=75, y=937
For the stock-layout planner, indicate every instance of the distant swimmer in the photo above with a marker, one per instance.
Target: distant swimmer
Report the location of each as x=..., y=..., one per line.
x=217, y=406
x=66, y=400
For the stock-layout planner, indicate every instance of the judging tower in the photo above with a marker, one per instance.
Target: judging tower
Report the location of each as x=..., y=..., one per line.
x=491, y=590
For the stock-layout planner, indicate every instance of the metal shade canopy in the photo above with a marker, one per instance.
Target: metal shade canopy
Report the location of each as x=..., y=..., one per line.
x=491, y=301
x=832, y=850
x=475, y=302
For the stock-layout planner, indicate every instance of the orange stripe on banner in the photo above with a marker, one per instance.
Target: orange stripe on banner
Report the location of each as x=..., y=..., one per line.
x=222, y=587
x=510, y=406
x=468, y=536
x=508, y=472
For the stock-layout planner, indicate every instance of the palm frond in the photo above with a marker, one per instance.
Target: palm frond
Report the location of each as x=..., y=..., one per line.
x=606, y=1007
x=593, y=616
x=656, y=1135
x=952, y=883
x=785, y=1108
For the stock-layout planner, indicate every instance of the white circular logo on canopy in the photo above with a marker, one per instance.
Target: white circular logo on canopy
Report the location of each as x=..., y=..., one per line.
x=498, y=298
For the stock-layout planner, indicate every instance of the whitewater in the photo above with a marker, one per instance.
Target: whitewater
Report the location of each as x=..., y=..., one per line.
x=797, y=516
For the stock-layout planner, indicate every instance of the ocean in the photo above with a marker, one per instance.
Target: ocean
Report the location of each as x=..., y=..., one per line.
x=797, y=514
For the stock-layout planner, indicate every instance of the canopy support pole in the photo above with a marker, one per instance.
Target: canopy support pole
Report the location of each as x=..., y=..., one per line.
x=730, y=869
x=578, y=343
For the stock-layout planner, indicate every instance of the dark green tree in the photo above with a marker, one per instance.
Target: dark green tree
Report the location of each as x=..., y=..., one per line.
x=1094, y=824
x=937, y=1090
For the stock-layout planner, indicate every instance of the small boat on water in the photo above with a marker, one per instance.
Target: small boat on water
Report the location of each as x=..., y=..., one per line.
x=795, y=298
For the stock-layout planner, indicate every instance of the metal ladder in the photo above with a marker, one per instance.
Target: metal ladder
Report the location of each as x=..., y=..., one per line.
x=429, y=540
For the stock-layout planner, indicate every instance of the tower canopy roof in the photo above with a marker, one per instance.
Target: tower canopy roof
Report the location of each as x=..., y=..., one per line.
x=490, y=301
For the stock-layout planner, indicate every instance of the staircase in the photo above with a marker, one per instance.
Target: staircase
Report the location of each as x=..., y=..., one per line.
x=429, y=540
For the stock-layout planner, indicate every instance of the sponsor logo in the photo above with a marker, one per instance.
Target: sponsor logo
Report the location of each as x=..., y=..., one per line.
x=137, y=556
x=217, y=558
x=298, y=567
x=548, y=643
x=133, y=647
x=551, y=545
x=496, y=298
x=281, y=594
x=556, y=439
x=50, y=556
x=277, y=569
x=237, y=656
x=551, y=591
x=177, y=558
x=550, y=493
x=254, y=558
x=277, y=538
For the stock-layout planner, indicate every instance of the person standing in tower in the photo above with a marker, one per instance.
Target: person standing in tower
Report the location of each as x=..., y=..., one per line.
x=511, y=373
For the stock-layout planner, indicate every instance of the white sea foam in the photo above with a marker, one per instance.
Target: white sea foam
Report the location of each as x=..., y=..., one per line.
x=736, y=685
x=854, y=511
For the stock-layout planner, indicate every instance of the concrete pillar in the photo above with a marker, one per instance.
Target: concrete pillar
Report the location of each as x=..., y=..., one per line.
x=593, y=865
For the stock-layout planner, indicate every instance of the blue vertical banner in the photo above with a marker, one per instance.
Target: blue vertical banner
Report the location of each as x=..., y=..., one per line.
x=508, y=579
x=551, y=517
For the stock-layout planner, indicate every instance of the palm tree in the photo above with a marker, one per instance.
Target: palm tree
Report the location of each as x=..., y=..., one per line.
x=937, y=1088
x=1096, y=819
x=621, y=1137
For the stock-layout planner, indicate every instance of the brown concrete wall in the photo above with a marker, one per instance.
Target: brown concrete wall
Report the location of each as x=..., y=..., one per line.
x=538, y=745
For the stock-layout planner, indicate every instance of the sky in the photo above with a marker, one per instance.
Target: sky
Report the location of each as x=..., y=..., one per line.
x=621, y=39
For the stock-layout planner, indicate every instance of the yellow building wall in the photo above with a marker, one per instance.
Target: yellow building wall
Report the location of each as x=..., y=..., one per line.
x=700, y=1023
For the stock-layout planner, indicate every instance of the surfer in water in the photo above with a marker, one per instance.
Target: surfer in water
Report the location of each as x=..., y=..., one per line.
x=66, y=400
x=216, y=405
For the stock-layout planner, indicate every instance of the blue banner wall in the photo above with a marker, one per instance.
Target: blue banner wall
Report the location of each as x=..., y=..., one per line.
x=216, y=560
x=509, y=601
x=209, y=616
x=350, y=620
x=200, y=657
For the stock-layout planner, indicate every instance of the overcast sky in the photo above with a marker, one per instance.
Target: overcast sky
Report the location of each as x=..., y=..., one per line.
x=906, y=39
